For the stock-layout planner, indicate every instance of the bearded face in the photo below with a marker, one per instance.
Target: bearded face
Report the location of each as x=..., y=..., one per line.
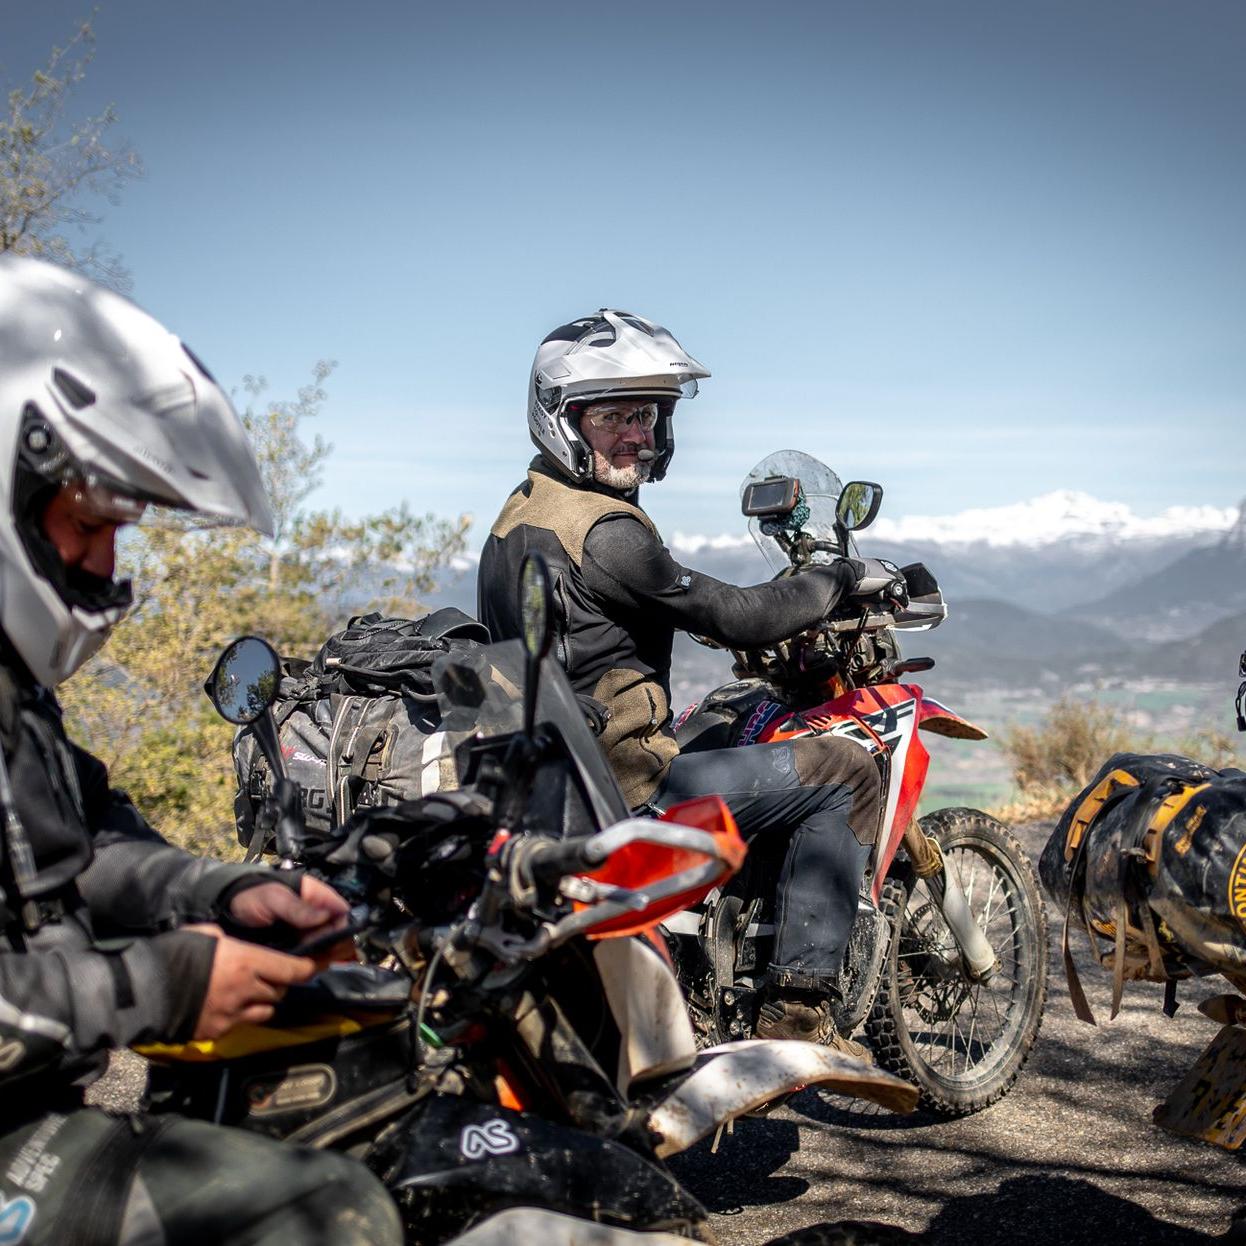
x=616, y=432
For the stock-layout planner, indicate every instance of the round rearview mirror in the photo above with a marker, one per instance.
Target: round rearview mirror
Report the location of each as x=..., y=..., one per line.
x=243, y=684
x=536, y=605
x=858, y=504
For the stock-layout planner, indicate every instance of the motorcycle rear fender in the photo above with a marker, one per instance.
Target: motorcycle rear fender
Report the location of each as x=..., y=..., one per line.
x=735, y=1078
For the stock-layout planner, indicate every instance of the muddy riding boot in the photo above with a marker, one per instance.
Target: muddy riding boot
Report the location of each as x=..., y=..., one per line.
x=805, y=1016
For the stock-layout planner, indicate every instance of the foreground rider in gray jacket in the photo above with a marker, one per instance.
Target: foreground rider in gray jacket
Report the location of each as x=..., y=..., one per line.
x=601, y=399
x=102, y=411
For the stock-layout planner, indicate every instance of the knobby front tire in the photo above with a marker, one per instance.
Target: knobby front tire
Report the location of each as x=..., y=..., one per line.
x=963, y=1043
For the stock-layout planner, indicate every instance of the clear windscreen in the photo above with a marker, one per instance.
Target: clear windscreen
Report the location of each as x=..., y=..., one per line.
x=481, y=694
x=814, y=512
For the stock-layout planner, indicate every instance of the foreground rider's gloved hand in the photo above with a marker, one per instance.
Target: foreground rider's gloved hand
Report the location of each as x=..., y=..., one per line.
x=246, y=982
x=875, y=575
x=313, y=909
x=316, y=905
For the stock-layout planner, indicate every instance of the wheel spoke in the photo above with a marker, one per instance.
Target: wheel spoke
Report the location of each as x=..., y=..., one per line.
x=995, y=1004
x=990, y=897
x=973, y=1024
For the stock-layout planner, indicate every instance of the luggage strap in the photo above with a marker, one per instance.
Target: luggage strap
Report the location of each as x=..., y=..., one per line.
x=1163, y=799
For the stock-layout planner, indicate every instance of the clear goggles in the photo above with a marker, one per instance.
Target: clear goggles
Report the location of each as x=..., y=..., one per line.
x=107, y=503
x=614, y=417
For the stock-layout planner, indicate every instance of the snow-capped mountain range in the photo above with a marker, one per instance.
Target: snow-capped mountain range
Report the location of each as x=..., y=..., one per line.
x=1058, y=588
x=1051, y=518
x=1058, y=552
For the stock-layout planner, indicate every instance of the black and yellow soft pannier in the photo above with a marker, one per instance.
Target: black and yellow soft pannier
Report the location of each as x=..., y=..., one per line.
x=1150, y=859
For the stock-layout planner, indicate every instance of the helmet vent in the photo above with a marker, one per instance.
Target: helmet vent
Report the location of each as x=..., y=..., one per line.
x=76, y=393
x=636, y=323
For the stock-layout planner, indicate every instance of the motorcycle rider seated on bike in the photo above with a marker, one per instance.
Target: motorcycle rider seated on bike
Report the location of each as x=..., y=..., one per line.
x=103, y=411
x=602, y=393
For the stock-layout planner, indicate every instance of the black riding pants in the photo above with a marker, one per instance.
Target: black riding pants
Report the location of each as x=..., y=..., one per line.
x=823, y=792
x=84, y=1177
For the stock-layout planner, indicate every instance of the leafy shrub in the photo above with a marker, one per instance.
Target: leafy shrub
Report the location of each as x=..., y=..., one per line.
x=1053, y=761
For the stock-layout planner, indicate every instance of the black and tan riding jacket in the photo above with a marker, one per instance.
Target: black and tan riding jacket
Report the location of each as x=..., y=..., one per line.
x=621, y=597
x=95, y=869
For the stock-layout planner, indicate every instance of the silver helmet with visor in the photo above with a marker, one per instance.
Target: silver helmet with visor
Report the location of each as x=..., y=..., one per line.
x=99, y=401
x=613, y=355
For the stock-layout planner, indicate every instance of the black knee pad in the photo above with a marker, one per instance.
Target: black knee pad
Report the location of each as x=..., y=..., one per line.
x=832, y=761
x=824, y=759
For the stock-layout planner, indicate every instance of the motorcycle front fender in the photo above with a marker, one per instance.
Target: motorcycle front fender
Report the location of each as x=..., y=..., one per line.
x=736, y=1078
x=648, y=1009
x=453, y=1161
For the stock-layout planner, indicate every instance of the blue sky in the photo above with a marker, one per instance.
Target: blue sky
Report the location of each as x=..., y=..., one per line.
x=974, y=251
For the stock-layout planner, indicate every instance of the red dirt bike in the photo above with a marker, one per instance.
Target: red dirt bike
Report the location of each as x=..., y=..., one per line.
x=946, y=965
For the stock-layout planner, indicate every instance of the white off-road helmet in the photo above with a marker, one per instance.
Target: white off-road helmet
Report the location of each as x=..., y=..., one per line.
x=612, y=354
x=93, y=391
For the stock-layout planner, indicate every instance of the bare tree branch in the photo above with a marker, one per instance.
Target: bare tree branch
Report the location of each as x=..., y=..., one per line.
x=55, y=169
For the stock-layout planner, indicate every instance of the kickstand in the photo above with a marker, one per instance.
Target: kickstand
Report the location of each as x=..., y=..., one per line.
x=729, y=1126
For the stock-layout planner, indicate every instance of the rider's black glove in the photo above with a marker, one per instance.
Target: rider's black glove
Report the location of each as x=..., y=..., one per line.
x=874, y=576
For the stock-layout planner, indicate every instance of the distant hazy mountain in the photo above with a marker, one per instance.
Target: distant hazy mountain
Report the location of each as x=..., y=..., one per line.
x=1208, y=656
x=995, y=642
x=1183, y=595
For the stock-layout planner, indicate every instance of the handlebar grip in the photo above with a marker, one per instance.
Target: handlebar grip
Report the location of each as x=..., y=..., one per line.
x=551, y=859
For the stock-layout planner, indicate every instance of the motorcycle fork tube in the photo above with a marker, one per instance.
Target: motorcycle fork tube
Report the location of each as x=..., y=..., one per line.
x=557, y=1059
x=977, y=956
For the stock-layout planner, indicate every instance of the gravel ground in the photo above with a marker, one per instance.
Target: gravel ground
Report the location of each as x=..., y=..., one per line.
x=1069, y=1157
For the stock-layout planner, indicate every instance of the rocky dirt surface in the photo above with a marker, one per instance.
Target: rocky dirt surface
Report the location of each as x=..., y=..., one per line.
x=1069, y=1157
